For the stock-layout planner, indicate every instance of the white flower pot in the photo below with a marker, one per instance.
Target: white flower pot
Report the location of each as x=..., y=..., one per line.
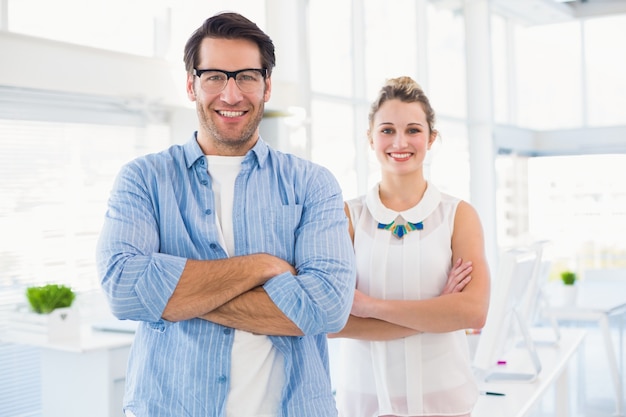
x=59, y=326
x=570, y=294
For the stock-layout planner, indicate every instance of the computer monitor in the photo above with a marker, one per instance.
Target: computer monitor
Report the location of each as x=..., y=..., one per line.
x=535, y=301
x=507, y=320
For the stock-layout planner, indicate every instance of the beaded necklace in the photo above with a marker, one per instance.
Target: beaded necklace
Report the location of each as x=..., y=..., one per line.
x=401, y=230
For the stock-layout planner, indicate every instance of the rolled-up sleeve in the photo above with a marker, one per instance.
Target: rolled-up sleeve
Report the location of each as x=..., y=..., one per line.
x=137, y=280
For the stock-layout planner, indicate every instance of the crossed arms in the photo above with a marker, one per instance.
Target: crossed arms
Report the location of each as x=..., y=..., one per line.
x=229, y=292
x=463, y=303
x=156, y=262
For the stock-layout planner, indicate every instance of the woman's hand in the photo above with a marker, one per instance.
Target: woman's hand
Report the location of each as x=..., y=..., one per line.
x=365, y=306
x=362, y=304
x=458, y=277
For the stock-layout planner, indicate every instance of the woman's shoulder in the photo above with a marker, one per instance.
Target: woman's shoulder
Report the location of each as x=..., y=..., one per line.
x=356, y=202
x=455, y=203
x=445, y=200
x=355, y=208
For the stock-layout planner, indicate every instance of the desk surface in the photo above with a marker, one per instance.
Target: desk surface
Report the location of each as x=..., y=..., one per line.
x=521, y=397
x=597, y=300
x=90, y=340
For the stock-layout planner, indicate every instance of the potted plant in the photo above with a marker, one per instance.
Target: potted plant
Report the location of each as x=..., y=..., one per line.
x=568, y=277
x=47, y=298
x=569, y=288
x=50, y=313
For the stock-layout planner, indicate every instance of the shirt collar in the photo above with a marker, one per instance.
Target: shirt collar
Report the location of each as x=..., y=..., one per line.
x=415, y=214
x=261, y=150
x=193, y=152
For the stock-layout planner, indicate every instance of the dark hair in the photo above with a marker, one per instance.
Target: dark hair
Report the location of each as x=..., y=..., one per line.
x=228, y=25
x=407, y=90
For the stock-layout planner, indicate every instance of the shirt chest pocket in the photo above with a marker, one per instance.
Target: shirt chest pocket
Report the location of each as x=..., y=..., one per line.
x=278, y=231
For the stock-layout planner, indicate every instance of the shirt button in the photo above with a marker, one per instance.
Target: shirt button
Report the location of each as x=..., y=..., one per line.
x=213, y=246
x=221, y=379
x=204, y=182
x=208, y=211
x=226, y=331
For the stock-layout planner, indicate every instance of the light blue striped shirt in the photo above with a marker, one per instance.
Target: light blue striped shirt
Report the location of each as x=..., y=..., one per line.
x=162, y=212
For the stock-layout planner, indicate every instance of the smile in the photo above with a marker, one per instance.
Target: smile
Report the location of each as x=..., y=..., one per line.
x=400, y=155
x=227, y=113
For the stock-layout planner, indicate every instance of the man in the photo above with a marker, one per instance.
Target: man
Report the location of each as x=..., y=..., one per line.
x=234, y=257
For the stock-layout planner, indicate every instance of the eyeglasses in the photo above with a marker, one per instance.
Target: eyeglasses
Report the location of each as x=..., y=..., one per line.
x=248, y=80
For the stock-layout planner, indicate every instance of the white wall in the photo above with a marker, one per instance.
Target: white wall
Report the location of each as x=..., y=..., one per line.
x=36, y=63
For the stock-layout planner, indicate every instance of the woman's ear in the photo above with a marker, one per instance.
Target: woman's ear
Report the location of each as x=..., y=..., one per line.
x=433, y=137
x=370, y=139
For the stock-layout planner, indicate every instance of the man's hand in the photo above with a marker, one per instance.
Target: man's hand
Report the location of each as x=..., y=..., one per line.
x=207, y=285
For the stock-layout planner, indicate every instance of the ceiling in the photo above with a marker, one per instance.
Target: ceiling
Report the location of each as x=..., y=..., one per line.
x=540, y=12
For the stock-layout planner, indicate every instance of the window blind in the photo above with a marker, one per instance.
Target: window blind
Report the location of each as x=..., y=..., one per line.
x=55, y=179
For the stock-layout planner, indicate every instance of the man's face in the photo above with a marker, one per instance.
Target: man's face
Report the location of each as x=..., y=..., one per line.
x=228, y=119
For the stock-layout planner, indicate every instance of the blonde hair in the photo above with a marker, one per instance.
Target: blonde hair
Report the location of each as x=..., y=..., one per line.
x=406, y=90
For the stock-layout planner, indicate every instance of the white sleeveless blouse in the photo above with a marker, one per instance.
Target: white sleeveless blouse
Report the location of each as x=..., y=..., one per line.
x=425, y=374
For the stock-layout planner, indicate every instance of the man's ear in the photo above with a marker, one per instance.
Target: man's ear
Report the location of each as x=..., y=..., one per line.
x=191, y=92
x=268, y=89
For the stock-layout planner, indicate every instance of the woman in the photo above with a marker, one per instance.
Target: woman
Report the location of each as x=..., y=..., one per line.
x=405, y=352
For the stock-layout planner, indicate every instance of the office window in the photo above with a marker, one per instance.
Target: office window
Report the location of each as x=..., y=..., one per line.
x=502, y=73
x=330, y=46
x=390, y=42
x=605, y=66
x=332, y=87
x=512, y=194
x=55, y=178
x=448, y=164
x=54, y=181
x=446, y=62
x=334, y=144
x=579, y=204
x=185, y=16
x=549, y=76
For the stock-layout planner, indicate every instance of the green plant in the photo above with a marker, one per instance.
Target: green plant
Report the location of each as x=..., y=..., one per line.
x=568, y=277
x=47, y=298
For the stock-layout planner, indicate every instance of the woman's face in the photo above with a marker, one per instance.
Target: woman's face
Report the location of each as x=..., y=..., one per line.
x=400, y=136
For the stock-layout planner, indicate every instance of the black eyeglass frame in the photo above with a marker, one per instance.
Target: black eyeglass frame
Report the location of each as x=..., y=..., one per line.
x=230, y=74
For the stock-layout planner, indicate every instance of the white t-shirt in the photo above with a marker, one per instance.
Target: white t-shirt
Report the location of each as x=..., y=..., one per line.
x=257, y=371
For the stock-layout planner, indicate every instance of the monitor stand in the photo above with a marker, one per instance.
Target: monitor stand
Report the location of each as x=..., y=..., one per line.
x=529, y=345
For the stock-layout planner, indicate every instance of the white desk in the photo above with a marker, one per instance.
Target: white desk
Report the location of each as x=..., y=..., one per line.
x=521, y=397
x=597, y=300
x=81, y=378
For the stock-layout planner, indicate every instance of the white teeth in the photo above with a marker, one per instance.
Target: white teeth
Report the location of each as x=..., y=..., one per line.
x=400, y=155
x=231, y=113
